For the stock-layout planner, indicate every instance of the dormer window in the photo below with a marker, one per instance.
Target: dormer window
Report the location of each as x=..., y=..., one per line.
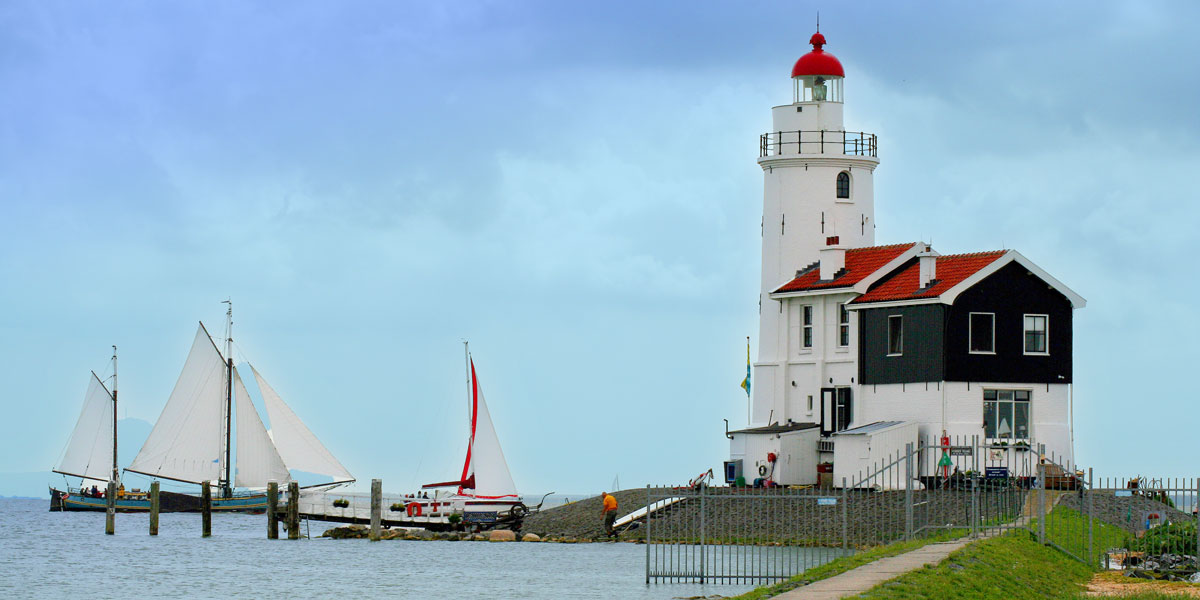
x=843, y=185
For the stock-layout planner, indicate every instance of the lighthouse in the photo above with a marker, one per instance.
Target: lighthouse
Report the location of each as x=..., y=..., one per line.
x=818, y=201
x=883, y=347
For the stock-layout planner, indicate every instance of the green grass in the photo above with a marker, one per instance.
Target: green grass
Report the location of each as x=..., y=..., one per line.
x=1068, y=529
x=1008, y=567
x=846, y=563
x=1012, y=566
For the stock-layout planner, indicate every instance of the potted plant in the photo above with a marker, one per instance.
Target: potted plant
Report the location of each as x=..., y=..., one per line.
x=1021, y=446
x=341, y=503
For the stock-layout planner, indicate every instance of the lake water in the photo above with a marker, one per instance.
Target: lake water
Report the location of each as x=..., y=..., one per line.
x=63, y=555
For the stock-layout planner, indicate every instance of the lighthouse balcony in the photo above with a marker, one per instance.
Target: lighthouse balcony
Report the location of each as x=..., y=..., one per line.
x=795, y=143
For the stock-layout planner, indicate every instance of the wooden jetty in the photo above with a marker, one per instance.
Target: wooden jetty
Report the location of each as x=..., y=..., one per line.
x=393, y=510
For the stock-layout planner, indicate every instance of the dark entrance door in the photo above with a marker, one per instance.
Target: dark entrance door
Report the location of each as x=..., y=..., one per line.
x=836, y=410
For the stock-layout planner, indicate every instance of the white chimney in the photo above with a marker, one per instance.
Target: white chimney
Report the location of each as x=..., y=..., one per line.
x=928, y=266
x=833, y=258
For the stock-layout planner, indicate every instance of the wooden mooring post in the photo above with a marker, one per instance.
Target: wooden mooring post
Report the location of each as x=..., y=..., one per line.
x=110, y=510
x=376, y=508
x=154, y=508
x=272, y=510
x=293, y=511
x=205, y=510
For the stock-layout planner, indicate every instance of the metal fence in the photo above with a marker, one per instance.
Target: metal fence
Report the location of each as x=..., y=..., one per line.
x=948, y=488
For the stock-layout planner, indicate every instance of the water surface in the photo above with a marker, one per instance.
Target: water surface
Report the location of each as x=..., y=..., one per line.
x=67, y=555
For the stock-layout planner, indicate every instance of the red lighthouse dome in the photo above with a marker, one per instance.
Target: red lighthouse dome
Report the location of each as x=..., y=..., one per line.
x=818, y=62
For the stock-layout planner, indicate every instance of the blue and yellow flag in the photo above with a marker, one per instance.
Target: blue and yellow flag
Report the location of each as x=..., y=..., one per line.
x=746, y=381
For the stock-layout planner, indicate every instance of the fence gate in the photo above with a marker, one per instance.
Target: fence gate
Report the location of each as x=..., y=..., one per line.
x=972, y=485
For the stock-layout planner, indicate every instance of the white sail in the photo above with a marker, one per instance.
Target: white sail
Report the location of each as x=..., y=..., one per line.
x=187, y=442
x=258, y=461
x=90, y=451
x=485, y=464
x=299, y=448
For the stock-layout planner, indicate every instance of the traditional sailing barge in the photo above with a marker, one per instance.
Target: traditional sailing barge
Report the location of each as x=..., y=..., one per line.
x=193, y=440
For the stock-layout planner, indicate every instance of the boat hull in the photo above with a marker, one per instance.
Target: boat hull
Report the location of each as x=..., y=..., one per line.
x=168, y=502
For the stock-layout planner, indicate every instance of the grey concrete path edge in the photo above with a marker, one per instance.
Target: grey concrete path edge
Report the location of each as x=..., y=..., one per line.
x=861, y=579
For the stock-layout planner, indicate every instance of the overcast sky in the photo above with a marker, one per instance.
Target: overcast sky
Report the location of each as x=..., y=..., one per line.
x=573, y=188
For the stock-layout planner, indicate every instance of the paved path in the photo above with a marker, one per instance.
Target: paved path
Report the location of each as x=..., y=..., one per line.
x=856, y=581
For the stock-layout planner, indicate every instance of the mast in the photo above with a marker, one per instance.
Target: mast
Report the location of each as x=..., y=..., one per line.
x=226, y=485
x=115, y=472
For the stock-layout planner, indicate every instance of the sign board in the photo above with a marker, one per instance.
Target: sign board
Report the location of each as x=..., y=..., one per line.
x=1122, y=493
x=826, y=501
x=995, y=472
x=479, y=517
x=960, y=451
x=995, y=454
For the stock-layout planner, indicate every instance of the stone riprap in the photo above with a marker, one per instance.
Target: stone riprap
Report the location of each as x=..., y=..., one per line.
x=1126, y=512
x=580, y=519
x=782, y=516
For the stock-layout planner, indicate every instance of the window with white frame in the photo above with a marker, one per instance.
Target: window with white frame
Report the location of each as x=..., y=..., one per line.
x=982, y=333
x=806, y=326
x=1006, y=414
x=843, y=326
x=895, y=335
x=1036, y=338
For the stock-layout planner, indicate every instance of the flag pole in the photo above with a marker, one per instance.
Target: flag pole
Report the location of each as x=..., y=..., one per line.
x=747, y=381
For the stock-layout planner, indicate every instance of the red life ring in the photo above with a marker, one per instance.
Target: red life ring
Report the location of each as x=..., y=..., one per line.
x=414, y=509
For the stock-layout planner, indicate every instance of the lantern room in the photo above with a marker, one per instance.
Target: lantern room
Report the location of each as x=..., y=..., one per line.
x=818, y=75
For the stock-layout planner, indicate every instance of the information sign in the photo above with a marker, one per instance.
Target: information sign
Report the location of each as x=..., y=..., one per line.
x=995, y=472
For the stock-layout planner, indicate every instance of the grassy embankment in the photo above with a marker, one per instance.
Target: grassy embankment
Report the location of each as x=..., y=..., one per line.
x=1009, y=567
x=846, y=563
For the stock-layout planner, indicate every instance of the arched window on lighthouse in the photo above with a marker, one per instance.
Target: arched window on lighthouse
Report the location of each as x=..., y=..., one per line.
x=843, y=185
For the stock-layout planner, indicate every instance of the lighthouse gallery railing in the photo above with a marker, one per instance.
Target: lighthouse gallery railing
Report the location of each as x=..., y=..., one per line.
x=849, y=143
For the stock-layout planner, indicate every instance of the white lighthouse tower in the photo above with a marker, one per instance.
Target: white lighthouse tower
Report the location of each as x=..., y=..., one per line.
x=818, y=201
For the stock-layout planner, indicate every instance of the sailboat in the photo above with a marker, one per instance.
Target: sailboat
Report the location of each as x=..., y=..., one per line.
x=485, y=492
x=93, y=442
x=193, y=440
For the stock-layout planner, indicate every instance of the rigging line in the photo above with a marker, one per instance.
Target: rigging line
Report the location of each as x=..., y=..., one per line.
x=425, y=447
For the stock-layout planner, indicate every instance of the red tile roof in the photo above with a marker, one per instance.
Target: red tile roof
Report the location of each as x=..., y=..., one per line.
x=951, y=271
x=860, y=262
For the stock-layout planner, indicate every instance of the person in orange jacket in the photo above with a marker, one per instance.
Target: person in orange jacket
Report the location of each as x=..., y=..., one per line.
x=609, y=510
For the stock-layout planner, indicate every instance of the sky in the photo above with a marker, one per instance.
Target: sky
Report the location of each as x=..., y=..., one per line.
x=572, y=188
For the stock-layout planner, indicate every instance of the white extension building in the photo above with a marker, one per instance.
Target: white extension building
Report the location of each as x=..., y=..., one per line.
x=974, y=346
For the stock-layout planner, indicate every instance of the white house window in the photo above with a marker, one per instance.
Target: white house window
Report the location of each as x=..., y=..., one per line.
x=843, y=185
x=1036, y=334
x=983, y=333
x=895, y=335
x=843, y=326
x=1006, y=414
x=806, y=321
